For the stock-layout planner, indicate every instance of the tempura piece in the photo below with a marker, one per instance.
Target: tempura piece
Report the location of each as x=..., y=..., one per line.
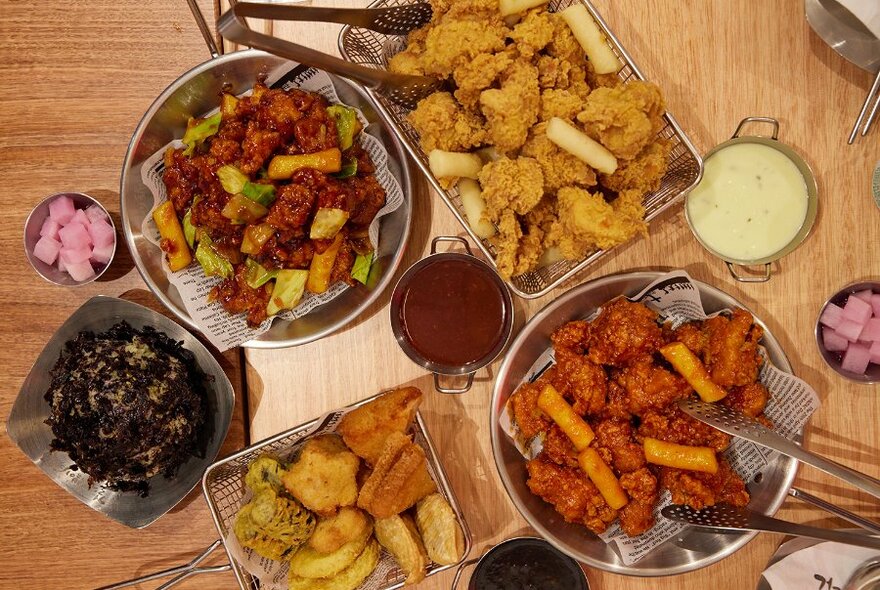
x=265, y=472
x=516, y=185
x=398, y=534
x=332, y=532
x=587, y=221
x=323, y=477
x=399, y=479
x=273, y=524
x=512, y=109
x=348, y=579
x=624, y=119
x=444, y=540
x=309, y=563
x=442, y=124
x=366, y=428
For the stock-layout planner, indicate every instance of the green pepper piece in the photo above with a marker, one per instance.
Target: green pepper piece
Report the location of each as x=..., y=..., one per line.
x=288, y=290
x=350, y=168
x=264, y=194
x=213, y=263
x=346, y=124
x=361, y=269
x=258, y=275
x=197, y=132
x=189, y=230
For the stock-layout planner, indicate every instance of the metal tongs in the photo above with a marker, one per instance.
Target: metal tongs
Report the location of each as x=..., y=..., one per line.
x=404, y=89
x=725, y=517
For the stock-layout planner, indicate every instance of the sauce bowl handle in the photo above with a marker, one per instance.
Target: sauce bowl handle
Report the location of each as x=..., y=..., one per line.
x=461, y=241
x=460, y=569
x=460, y=390
x=769, y=120
x=746, y=279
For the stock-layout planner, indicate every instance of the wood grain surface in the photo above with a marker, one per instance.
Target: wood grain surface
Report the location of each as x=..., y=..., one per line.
x=78, y=77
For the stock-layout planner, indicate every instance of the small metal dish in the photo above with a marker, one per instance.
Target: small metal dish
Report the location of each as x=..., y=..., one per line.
x=27, y=428
x=833, y=359
x=398, y=299
x=812, y=199
x=32, y=227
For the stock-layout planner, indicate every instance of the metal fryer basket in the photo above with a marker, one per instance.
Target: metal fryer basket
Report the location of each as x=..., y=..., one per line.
x=372, y=49
x=223, y=486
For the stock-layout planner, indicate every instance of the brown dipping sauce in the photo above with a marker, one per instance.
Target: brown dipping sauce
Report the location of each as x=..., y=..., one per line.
x=527, y=564
x=452, y=312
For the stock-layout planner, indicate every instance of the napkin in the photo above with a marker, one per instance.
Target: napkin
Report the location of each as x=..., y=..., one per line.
x=824, y=565
x=867, y=11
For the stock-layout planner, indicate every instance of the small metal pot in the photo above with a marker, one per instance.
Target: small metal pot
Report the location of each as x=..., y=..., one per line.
x=517, y=545
x=812, y=198
x=397, y=325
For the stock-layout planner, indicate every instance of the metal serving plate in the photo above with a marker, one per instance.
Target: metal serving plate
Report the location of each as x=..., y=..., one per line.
x=27, y=428
x=223, y=485
x=372, y=49
x=692, y=548
x=196, y=92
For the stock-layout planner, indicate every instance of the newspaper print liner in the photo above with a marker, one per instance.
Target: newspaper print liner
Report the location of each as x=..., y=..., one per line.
x=273, y=574
x=677, y=299
x=224, y=330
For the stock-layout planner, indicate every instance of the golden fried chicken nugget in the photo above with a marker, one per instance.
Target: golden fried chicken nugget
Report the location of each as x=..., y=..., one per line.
x=452, y=43
x=559, y=167
x=332, y=532
x=516, y=185
x=308, y=563
x=442, y=124
x=443, y=537
x=348, y=579
x=365, y=429
x=624, y=119
x=518, y=250
x=324, y=476
x=534, y=32
x=587, y=221
x=398, y=534
x=643, y=173
x=478, y=74
x=513, y=108
x=399, y=479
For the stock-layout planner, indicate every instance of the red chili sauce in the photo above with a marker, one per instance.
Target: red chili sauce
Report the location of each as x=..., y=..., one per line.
x=452, y=312
x=527, y=564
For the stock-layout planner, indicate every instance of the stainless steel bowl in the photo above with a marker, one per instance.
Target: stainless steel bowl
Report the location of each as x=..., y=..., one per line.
x=195, y=93
x=833, y=359
x=27, y=428
x=692, y=548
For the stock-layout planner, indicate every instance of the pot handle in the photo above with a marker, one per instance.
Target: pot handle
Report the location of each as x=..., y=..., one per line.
x=769, y=120
x=456, y=391
x=746, y=279
x=203, y=27
x=460, y=569
x=461, y=241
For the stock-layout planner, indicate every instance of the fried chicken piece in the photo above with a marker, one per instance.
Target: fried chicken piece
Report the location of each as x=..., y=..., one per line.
x=618, y=402
x=624, y=119
x=563, y=45
x=698, y=490
x=749, y=399
x=616, y=435
x=324, y=475
x=672, y=425
x=474, y=76
x=587, y=381
x=409, y=61
x=564, y=104
x=587, y=221
x=442, y=124
x=571, y=336
x=623, y=332
x=511, y=185
x=692, y=335
x=523, y=408
x=595, y=80
x=399, y=479
x=516, y=251
x=292, y=208
x=366, y=428
x=560, y=169
x=533, y=32
x=512, y=109
x=256, y=148
x=732, y=356
x=638, y=515
x=650, y=386
x=643, y=173
x=453, y=42
x=571, y=493
x=557, y=447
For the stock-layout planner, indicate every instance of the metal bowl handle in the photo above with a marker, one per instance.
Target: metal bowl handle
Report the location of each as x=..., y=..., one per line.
x=456, y=391
x=460, y=569
x=461, y=241
x=744, y=279
x=769, y=120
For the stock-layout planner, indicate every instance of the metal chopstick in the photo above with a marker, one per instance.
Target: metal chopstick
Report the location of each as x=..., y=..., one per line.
x=866, y=524
x=872, y=96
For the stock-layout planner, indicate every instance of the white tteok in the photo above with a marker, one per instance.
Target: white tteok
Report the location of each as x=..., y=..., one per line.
x=750, y=204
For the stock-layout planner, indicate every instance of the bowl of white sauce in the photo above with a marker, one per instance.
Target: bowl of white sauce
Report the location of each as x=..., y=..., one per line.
x=755, y=203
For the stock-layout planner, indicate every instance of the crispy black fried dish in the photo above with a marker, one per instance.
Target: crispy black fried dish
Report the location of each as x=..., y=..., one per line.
x=126, y=405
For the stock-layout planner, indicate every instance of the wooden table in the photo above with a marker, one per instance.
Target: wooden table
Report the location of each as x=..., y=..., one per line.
x=80, y=89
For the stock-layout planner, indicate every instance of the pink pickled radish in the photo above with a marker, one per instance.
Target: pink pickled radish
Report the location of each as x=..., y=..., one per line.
x=81, y=271
x=61, y=209
x=871, y=331
x=833, y=341
x=875, y=353
x=850, y=330
x=46, y=249
x=856, y=358
x=102, y=254
x=857, y=310
x=75, y=235
x=101, y=233
x=81, y=217
x=74, y=256
x=94, y=213
x=50, y=228
x=875, y=304
x=864, y=295
x=831, y=316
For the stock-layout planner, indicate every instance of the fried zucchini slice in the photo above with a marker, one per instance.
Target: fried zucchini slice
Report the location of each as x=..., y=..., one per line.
x=348, y=579
x=332, y=532
x=308, y=563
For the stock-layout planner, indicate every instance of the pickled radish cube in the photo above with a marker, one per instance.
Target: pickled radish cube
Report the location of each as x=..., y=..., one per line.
x=61, y=265
x=94, y=213
x=101, y=233
x=849, y=329
x=75, y=235
x=81, y=271
x=102, y=254
x=857, y=310
x=833, y=341
x=871, y=331
x=61, y=210
x=831, y=316
x=875, y=303
x=81, y=217
x=864, y=295
x=46, y=249
x=74, y=255
x=875, y=353
x=856, y=358
x=50, y=228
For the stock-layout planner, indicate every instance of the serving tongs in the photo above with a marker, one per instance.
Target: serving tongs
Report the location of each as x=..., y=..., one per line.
x=403, y=89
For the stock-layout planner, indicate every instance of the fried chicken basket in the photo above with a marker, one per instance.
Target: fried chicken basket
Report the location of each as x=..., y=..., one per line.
x=224, y=489
x=368, y=48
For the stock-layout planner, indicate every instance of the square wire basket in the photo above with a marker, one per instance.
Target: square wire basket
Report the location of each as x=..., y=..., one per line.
x=371, y=49
x=224, y=489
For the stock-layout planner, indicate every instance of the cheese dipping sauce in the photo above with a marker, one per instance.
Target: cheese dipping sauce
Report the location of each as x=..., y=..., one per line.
x=750, y=204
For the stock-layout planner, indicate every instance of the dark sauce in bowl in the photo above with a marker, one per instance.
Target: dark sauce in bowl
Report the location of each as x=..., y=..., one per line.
x=452, y=312
x=527, y=564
